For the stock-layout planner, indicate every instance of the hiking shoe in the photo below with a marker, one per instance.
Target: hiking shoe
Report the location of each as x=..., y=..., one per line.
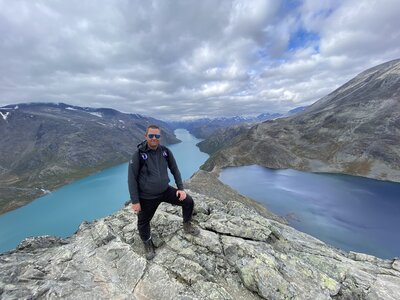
x=190, y=229
x=149, y=249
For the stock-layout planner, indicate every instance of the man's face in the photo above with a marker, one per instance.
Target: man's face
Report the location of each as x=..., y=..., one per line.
x=151, y=138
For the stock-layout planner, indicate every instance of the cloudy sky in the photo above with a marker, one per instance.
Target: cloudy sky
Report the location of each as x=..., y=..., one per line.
x=189, y=58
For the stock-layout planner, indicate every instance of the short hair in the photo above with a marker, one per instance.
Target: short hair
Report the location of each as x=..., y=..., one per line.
x=152, y=126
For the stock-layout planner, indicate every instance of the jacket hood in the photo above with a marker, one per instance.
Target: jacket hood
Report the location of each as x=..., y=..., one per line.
x=142, y=146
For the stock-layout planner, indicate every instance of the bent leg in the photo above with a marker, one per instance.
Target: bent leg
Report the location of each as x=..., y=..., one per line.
x=169, y=196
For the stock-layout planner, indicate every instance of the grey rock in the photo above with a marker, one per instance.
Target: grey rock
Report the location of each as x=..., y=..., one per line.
x=239, y=254
x=396, y=265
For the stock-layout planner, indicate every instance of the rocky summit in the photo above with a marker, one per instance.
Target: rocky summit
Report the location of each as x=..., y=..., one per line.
x=239, y=254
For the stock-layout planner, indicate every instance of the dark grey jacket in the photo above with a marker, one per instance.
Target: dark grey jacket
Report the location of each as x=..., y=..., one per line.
x=151, y=180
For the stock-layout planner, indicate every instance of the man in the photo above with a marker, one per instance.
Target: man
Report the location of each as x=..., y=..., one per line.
x=149, y=186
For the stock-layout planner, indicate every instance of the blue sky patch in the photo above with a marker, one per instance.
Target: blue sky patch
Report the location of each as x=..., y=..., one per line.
x=302, y=38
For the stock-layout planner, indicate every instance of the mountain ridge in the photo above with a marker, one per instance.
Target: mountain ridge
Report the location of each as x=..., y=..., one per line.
x=47, y=145
x=203, y=128
x=353, y=130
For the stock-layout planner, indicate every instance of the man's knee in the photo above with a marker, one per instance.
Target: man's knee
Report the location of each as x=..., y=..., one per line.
x=188, y=201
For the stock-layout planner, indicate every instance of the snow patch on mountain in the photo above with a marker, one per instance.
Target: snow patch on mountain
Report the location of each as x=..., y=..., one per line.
x=5, y=115
x=96, y=114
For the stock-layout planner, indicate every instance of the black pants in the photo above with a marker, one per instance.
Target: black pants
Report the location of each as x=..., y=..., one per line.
x=149, y=207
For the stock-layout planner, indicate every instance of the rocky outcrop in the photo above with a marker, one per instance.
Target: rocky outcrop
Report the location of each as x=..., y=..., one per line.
x=44, y=146
x=353, y=130
x=208, y=184
x=239, y=254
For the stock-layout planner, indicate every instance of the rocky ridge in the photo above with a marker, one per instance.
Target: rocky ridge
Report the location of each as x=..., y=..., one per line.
x=353, y=130
x=240, y=254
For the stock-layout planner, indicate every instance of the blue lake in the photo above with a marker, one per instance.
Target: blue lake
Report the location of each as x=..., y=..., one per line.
x=61, y=212
x=348, y=212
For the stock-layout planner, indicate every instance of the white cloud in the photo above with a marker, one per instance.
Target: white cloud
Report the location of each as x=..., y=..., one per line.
x=190, y=58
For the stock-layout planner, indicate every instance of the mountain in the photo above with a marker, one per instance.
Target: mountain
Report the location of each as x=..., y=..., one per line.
x=354, y=130
x=266, y=116
x=296, y=110
x=222, y=137
x=205, y=127
x=44, y=146
x=218, y=138
x=240, y=254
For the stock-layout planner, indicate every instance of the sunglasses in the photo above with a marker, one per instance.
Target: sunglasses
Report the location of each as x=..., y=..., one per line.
x=157, y=136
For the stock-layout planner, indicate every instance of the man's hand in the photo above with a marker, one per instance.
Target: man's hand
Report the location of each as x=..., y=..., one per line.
x=181, y=195
x=136, y=207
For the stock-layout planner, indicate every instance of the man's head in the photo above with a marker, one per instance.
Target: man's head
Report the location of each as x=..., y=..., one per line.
x=153, y=134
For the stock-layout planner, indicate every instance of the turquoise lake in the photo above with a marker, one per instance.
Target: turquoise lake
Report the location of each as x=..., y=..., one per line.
x=348, y=212
x=61, y=212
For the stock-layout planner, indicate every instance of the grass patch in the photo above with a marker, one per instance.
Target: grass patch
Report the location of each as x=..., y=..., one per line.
x=359, y=167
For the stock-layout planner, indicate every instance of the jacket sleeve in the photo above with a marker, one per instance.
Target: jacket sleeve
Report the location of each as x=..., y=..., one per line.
x=133, y=176
x=174, y=170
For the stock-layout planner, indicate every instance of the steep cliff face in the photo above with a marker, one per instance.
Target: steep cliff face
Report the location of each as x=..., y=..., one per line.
x=353, y=130
x=240, y=254
x=44, y=146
